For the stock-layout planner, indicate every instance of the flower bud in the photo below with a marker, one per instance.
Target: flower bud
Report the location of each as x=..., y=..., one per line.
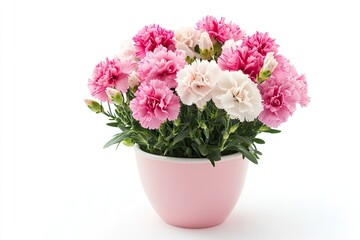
x=128, y=142
x=270, y=62
x=205, y=41
x=226, y=136
x=177, y=122
x=233, y=128
x=269, y=66
x=206, y=46
x=133, y=80
x=203, y=125
x=264, y=75
x=115, y=96
x=94, y=106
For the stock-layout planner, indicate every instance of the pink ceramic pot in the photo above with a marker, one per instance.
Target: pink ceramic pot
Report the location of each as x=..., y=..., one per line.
x=191, y=193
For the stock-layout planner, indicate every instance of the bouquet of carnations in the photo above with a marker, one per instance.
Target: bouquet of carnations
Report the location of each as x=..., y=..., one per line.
x=203, y=91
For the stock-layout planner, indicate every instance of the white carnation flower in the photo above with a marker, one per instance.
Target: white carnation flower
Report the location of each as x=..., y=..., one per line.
x=238, y=96
x=187, y=35
x=185, y=48
x=196, y=82
x=186, y=39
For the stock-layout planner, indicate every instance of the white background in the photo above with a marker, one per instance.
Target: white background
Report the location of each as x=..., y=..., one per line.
x=56, y=181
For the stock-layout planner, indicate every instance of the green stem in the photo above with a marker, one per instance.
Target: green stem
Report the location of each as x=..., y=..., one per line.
x=109, y=108
x=223, y=141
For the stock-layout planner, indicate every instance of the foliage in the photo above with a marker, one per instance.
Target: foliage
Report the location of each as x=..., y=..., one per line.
x=208, y=132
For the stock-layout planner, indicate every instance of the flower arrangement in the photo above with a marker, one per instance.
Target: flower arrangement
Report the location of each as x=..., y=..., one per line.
x=203, y=91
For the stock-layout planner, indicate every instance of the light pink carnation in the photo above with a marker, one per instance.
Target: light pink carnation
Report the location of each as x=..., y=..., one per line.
x=220, y=30
x=197, y=81
x=241, y=58
x=262, y=43
x=281, y=92
x=110, y=73
x=154, y=102
x=161, y=64
x=148, y=38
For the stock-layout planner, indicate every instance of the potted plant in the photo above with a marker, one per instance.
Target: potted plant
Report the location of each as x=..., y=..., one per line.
x=193, y=102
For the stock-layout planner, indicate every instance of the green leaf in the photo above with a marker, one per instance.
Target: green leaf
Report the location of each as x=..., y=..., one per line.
x=181, y=136
x=188, y=152
x=160, y=144
x=245, y=152
x=197, y=141
x=214, y=156
x=123, y=128
x=206, y=133
x=113, y=124
x=271, y=130
x=248, y=154
x=162, y=130
x=203, y=150
x=268, y=130
x=223, y=121
x=259, y=141
x=118, y=138
x=195, y=147
x=257, y=152
x=139, y=139
x=243, y=139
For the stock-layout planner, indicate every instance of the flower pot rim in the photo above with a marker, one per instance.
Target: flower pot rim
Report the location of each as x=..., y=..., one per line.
x=155, y=157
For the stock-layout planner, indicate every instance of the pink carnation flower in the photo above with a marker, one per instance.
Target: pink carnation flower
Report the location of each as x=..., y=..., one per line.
x=230, y=31
x=241, y=58
x=209, y=24
x=281, y=92
x=220, y=30
x=286, y=70
x=154, y=102
x=262, y=43
x=148, y=38
x=161, y=64
x=279, y=101
x=110, y=74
